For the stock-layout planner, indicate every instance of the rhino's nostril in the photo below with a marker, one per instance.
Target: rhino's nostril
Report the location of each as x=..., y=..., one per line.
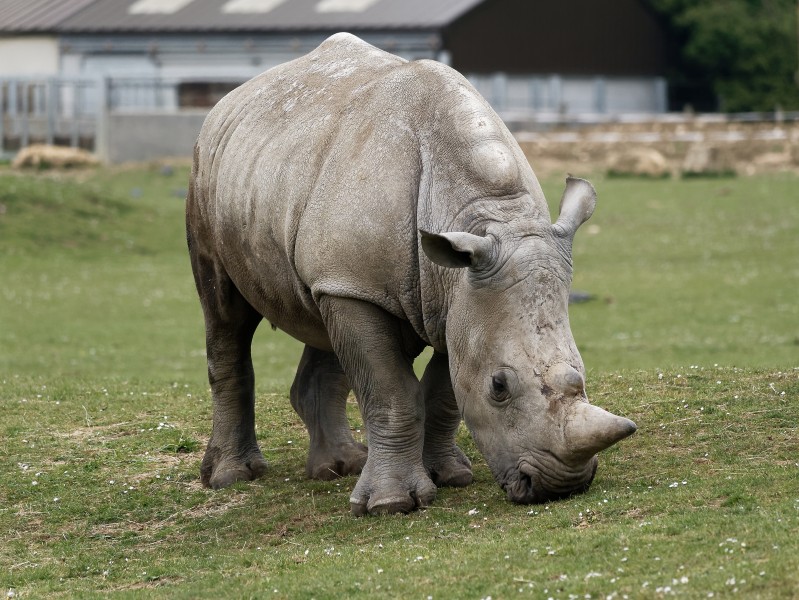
x=530, y=486
x=522, y=489
x=525, y=484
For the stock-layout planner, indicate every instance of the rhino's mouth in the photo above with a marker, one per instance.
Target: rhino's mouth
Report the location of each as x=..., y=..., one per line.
x=532, y=483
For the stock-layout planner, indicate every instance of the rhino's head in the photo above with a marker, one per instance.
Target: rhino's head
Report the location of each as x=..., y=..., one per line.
x=517, y=375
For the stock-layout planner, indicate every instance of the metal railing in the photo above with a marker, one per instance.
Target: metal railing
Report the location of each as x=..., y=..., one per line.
x=73, y=111
x=49, y=110
x=76, y=111
x=554, y=97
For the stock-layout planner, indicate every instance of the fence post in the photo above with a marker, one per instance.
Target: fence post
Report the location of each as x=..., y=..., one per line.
x=556, y=93
x=2, y=120
x=73, y=128
x=101, y=142
x=536, y=100
x=12, y=99
x=499, y=92
x=600, y=95
x=25, y=134
x=661, y=95
x=36, y=108
x=51, y=104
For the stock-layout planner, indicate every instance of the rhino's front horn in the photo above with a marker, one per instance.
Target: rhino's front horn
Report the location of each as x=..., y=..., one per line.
x=590, y=429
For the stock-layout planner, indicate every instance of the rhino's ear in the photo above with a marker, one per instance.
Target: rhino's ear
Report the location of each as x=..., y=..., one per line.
x=457, y=249
x=576, y=207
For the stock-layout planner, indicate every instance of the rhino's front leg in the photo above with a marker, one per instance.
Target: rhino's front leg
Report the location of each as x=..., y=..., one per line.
x=446, y=463
x=376, y=352
x=319, y=395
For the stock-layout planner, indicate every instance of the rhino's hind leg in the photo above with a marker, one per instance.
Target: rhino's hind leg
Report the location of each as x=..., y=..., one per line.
x=446, y=463
x=376, y=350
x=319, y=395
x=232, y=453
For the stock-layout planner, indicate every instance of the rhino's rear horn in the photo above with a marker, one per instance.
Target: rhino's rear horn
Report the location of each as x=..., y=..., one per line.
x=576, y=207
x=590, y=429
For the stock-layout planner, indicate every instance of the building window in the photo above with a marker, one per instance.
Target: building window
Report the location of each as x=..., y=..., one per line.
x=203, y=94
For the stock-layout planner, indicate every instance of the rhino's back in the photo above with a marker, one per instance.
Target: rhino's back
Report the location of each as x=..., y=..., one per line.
x=274, y=130
x=286, y=168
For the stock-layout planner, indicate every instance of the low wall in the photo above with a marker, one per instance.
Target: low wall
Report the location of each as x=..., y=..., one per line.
x=672, y=146
x=146, y=136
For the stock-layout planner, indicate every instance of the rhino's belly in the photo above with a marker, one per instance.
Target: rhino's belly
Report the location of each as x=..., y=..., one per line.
x=267, y=280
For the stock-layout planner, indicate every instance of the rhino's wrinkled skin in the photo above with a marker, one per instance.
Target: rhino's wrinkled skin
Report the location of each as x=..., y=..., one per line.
x=370, y=207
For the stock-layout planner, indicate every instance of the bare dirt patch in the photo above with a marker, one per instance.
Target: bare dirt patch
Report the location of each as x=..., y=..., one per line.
x=111, y=431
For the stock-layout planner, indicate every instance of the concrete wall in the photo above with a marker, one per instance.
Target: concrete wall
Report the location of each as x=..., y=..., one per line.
x=28, y=56
x=147, y=136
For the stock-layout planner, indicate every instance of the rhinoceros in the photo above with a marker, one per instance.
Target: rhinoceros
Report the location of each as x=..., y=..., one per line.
x=370, y=207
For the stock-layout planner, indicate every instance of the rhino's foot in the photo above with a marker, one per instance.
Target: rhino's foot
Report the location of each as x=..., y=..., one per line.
x=389, y=494
x=327, y=463
x=451, y=468
x=220, y=469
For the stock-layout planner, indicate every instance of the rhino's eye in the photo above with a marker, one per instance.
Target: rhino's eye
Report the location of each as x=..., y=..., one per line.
x=500, y=387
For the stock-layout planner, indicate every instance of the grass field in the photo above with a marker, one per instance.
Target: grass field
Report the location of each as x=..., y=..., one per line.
x=694, y=334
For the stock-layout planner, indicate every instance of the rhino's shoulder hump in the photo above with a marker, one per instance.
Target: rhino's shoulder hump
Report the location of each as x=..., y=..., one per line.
x=346, y=40
x=311, y=89
x=343, y=55
x=434, y=69
x=469, y=131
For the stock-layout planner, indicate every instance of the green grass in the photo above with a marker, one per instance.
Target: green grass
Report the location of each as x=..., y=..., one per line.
x=105, y=406
x=689, y=272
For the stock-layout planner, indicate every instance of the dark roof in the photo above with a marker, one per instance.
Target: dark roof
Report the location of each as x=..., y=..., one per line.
x=31, y=16
x=105, y=16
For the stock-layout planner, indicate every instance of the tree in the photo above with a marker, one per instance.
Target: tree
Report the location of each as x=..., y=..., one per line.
x=745, y=51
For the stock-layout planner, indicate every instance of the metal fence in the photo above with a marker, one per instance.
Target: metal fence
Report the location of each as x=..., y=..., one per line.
x=525, y=97
x=57, y=111
x=82, y=112
x=74, y=111
x=71, y=111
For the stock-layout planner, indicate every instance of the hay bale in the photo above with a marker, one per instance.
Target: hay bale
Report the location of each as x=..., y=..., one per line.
x=706, y=160
x=43, y=156
x=638, y=162
x=773, y=161
x=793, y=152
